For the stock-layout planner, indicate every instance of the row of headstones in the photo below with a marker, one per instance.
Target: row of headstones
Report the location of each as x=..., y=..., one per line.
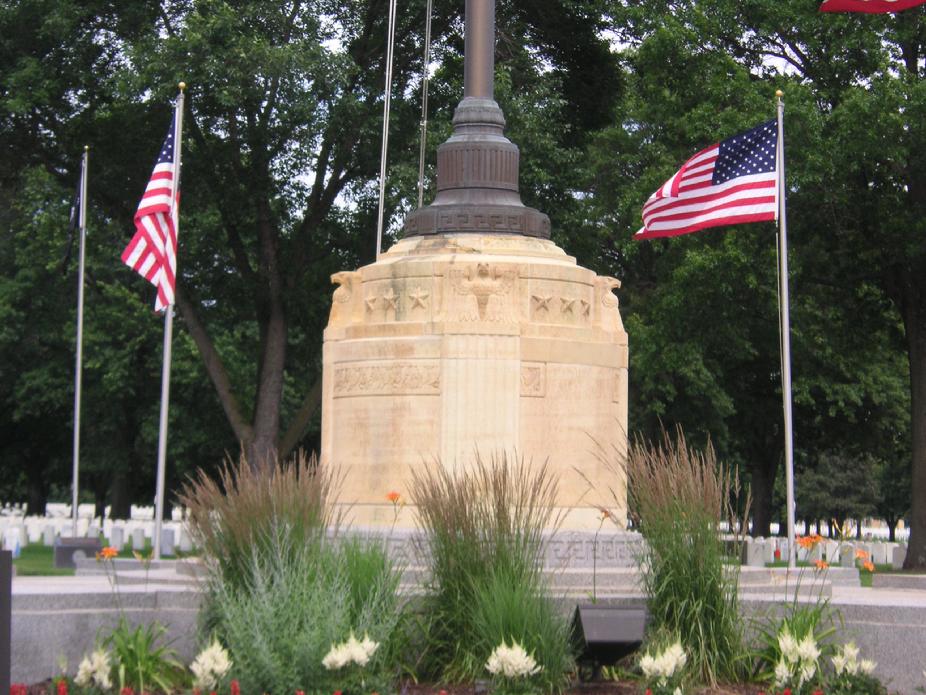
x=55, y=510
x=17, y=534
x=762, y=551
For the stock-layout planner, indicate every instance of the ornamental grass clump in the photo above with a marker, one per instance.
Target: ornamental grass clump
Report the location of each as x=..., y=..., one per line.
x=679, y=496
x=232, y=516
x=484, y=529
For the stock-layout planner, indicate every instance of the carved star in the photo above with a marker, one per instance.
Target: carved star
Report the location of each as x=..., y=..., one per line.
x=419, y=298
x=567, y=305
x=542, y=302
x=390, y=298
x=586, y=307
x=371, y=302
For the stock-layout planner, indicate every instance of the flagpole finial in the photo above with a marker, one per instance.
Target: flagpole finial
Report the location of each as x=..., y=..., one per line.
x=86, y=148
x=182, y=86
x=779, y=93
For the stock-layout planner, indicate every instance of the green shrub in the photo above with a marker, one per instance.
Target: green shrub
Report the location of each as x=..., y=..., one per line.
x=280, y=594
x=484, y=528
x=680, y=496
x=300, y=600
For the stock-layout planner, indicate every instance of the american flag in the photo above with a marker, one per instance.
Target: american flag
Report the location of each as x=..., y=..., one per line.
x=868, y=6
x=152, y=253
x=732, y=182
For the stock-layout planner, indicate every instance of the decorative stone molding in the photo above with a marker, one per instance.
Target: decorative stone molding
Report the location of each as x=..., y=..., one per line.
x=398, y=379
x=533, y=379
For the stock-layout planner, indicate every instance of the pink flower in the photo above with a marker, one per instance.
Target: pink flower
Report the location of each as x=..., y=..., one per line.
x=235, y=687
x=62, y=687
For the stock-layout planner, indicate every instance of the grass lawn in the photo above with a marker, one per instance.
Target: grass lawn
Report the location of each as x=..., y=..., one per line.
x=37, y=560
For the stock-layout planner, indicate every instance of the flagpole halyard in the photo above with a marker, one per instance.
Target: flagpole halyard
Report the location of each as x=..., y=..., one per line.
x=168, y=337
x=78, y=369
x=390, y=41
x=784, y=314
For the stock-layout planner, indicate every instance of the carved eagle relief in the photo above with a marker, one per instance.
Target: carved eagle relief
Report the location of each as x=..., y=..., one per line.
x=483, y=293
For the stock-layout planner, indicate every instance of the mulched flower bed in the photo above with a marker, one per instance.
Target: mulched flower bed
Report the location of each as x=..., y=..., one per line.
x=591, y=688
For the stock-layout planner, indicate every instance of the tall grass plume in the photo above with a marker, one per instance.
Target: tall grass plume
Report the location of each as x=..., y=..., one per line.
x=680, y=497
x=485, y=527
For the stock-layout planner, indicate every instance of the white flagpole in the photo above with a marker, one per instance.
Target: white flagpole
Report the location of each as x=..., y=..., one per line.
x=390, y=40
x=783, y=309
x=168, y=338
x=82, y=225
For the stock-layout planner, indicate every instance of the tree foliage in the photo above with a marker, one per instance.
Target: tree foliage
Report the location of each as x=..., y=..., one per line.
x=280, y=165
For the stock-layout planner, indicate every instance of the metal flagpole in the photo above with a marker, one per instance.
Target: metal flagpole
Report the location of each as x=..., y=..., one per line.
x=390, y=40
x=424, y=102
x=168, y=338
x=783, y=310
x=82, y=224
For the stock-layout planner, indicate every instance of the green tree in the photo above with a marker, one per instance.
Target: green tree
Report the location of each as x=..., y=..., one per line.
x=702, y=307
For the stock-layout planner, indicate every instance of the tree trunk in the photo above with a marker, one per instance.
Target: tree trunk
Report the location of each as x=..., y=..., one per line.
x=762, y=483
x=271, y=316
x=121, y=504
x=99, y=501
x=914, y=311
x=891, y=529
x=37, y=492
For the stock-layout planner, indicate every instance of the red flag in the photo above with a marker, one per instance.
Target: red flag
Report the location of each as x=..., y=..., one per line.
x=733, y=182
x=152, y=253
x=869, y=6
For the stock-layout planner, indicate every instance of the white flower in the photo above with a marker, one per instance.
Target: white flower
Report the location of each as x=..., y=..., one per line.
x=94, y=670
x=511, y=662
x=210, y=666
x=675, y=659
x=677, y=691
x=867, y=666
x=807, y=649
x=839, y=664
x=788, y=646
x=850, y=651
x=782, y=674
x=808, y=671
x=351, y=651
x=666, y=664
x=337, y=657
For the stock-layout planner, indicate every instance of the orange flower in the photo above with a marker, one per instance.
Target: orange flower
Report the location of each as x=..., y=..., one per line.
x=107, y=553
x=808, y=542
x=605, y=514
x=393, y=497
x=821, y=564
x=868, y=565
x=861, y=555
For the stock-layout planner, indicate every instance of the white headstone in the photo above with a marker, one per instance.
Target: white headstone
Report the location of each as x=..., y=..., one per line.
x=48, y=535
x=11, y=540
x=138, y=538
x=898, y=557
x=167, y=541
x=186, y=543
x=755, y=552
x=117, y=537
